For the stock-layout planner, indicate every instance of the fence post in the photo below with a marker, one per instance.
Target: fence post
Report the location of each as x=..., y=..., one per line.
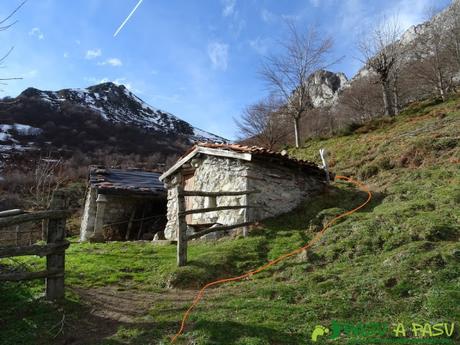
x=322, y=153
x=56, y=262
x=181, y=228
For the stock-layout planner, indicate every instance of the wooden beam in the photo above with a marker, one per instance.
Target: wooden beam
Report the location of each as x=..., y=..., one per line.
x=9, y=213
x=55, y=262
x=225, y=153
x=208, y=151
x=181, y=229
x=178, y=164
x=212, y=209
x=130, y=224
x=30, y=217
x=39, y=250
x=17, y=276
x=215, y=194
x=218, y=228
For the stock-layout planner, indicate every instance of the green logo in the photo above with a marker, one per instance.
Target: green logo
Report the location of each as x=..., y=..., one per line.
x=318, y=331
x=384, y=333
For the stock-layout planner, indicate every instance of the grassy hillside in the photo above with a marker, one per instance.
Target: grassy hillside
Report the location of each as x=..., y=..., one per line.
x=397, y=260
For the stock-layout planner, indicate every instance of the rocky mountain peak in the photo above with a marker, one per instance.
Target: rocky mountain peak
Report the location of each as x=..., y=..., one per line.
x=324, y=86
x=116, y=104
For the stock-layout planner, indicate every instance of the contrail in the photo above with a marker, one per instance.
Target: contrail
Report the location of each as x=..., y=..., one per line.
x=127, y=18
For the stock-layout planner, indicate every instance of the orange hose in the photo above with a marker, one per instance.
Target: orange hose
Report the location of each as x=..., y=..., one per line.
x=282, y=257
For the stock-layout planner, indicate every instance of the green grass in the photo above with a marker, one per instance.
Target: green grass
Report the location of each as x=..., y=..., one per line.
x=397, y=260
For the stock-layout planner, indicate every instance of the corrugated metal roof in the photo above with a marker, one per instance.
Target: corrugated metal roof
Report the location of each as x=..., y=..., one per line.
x=126, y=181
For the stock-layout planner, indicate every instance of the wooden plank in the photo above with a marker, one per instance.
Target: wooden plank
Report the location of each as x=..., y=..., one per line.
x=140, y=233
x=218, y=228
x=13, y=212
x=225, y=153
x=130, y=223
x=30, y=217
x=17, y=276
x=181, y=229
x=209, y=151
x=178, y=164
x=218, y=208
x=56, y=262
x=39, y=250
x=216, y=194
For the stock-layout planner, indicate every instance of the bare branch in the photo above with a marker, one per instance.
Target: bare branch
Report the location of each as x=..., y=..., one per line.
x=287, y=75
x=12, y=13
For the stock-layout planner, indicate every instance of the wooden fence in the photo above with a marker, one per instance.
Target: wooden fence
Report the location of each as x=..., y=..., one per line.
x=182, y=212
x=54, y=233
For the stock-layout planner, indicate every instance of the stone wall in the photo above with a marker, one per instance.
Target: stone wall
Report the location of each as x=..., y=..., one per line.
x=212, y=174
x=281, y=190
x=89, y=215
x=117, y=209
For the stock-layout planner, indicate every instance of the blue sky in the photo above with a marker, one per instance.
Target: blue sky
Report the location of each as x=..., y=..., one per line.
x=197, y=59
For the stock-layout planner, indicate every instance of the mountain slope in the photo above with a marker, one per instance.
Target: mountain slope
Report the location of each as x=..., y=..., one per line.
x=97, y=113
x=415, y=41
x=397, y=260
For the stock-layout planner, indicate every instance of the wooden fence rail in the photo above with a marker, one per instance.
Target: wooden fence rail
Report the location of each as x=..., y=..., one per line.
x=54, y=249
x=182, y=212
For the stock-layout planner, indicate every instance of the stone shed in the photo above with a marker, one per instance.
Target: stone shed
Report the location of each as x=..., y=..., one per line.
x=123, y=205
x=275, y=184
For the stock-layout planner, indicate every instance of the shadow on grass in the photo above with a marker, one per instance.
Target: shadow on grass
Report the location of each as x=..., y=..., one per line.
x=229, y=332
x=331, y=203
x=28, y=319
x=277, y=236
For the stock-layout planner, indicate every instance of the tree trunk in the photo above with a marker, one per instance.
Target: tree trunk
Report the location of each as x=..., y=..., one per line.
x=386, y=99
x=296, y=132
x=440, y=85
x=395, y=99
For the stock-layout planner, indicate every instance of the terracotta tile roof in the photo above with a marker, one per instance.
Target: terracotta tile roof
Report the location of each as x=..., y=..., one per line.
x=126, y=181
x=262, y=152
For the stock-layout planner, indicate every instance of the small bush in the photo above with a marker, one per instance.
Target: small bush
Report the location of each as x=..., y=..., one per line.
x=367, y=171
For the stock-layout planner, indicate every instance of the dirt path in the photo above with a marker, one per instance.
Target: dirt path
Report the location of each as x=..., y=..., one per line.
x=109, y=308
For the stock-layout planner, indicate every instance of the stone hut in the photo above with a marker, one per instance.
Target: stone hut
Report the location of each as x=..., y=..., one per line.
x=123, y=205
x=277, y=184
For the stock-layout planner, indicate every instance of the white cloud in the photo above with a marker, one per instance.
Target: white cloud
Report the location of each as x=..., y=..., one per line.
x=218, y=53
x=91, y=54
x=37, y=32
x=237, y=26
x=115, y=62
x=229, y=7
x=260, y=45
x=267, y=16
x=117, y=81
x=408, y=14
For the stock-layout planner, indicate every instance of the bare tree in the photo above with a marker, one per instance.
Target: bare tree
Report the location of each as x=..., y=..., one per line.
x=361, y=101
x=48, y=177
x=433, y=63
x=287, y=74
x=264, y=123
x=5, y=24
x=381, y=52
x=454, y=34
